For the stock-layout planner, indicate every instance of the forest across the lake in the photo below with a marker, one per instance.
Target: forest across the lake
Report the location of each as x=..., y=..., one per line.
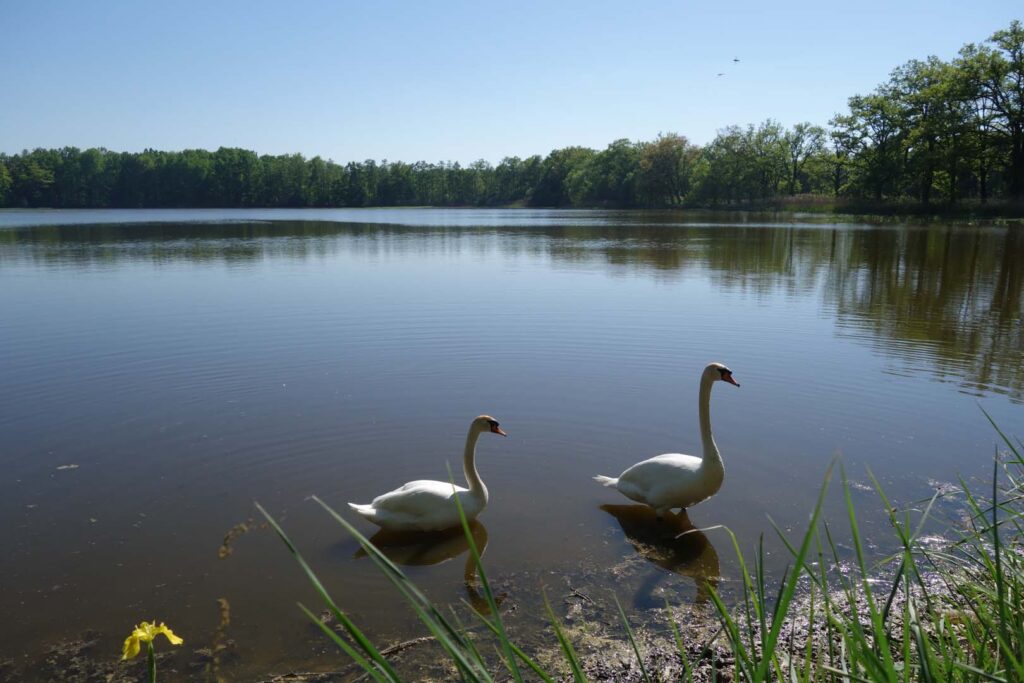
x=936, y=136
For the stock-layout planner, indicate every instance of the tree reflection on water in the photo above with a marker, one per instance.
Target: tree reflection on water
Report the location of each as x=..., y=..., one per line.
x=944, y=298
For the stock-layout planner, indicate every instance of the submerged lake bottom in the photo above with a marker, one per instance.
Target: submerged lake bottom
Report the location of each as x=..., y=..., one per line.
x=164, y=370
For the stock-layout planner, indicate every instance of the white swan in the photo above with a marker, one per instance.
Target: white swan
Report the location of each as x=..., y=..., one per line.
x=674, y=480
x=427, y=505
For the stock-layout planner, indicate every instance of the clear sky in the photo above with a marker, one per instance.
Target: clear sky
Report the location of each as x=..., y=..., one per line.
x=459, y=80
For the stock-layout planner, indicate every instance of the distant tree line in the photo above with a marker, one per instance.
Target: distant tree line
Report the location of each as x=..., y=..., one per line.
x=935, y=132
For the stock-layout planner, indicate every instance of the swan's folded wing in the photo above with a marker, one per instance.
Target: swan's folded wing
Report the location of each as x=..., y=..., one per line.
x=417, y=497
x=651, y=471
x=669, y=480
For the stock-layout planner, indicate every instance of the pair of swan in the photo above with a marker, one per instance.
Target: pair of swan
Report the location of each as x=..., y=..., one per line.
x=664, y=482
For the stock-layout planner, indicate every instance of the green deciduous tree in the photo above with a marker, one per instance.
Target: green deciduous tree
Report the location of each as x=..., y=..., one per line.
x=665, y=170
x=805, y=142
x=551, y=188
x=5, y=181
x=997, y=74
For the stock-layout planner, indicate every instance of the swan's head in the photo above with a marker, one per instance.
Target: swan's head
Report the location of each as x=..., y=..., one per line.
x=718, y=372
x=486, y=423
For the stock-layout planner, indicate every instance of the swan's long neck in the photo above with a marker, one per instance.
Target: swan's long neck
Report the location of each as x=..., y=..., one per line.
x=712, y=457
x=476, y=484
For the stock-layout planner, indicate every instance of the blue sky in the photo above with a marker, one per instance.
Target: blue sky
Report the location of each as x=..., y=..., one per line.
x=446, y=80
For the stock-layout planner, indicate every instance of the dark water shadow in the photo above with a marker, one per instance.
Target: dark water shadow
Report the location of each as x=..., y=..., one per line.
x=424, y=548
x=671, y=543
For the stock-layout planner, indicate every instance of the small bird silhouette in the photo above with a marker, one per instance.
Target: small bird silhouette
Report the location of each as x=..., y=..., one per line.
x=735, y=59
x=721, y=74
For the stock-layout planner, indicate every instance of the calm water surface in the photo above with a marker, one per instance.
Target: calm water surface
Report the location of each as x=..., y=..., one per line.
x=162, y=370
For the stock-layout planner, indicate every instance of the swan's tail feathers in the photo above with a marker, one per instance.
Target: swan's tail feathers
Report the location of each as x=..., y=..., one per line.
x=606, y=481
x=365, y=511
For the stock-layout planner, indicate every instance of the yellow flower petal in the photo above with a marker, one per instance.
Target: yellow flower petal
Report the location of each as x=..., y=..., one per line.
x=131, y=646
x=145, y=633
x=162, y=628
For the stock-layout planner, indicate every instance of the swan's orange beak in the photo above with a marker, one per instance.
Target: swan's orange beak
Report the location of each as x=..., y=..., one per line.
x=728, y=378
x=498, y=430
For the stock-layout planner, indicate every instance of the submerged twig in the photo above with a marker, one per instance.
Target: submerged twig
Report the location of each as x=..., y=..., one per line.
x=582, y=596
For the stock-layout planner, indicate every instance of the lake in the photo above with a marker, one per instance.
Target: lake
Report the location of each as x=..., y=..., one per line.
x=162, y=370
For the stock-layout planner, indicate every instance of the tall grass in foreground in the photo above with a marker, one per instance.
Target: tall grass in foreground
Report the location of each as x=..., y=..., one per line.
x=949, y=614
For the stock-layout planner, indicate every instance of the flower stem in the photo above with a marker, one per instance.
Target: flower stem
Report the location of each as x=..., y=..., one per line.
x=150, y=663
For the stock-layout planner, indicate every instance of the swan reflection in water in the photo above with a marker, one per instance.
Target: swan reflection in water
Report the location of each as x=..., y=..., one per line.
x=422, y=548
x=659, y=541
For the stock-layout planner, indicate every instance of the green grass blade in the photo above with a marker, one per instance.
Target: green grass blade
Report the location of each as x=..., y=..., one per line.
x=744, y=661
x=845, y=675
x=447, y=635
x=523, y=657
x=683, y=657
x=879, y=641
x=365, y=664
x=632, y=641
x=789, y=587
x=924, y=654
x=563, y=641
x=470, y=646
x=1003, y=436
x=364, y=643
x=510, y=658
x=981, y=673
x=1004, y=617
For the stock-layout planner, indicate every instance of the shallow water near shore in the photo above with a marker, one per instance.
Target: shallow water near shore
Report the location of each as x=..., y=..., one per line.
x=162, y=370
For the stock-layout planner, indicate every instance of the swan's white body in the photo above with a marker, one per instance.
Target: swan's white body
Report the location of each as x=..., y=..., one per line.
x=427, y=505
x=676, y=480
x=423, y=505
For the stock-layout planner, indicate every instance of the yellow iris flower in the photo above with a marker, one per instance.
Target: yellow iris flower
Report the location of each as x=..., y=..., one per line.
x=145, y=633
